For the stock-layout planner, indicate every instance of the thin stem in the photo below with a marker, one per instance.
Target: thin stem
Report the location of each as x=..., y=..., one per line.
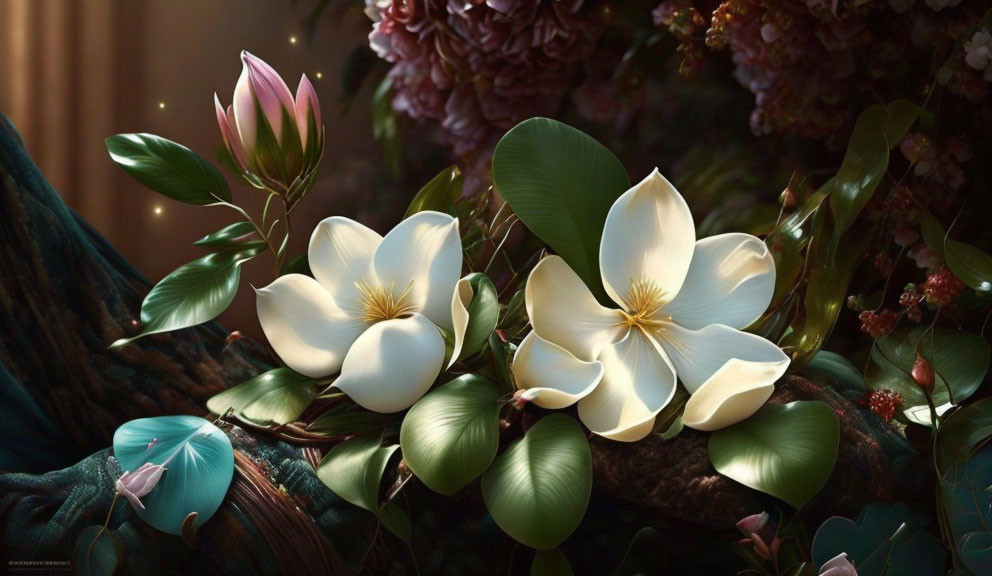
x=89, y=551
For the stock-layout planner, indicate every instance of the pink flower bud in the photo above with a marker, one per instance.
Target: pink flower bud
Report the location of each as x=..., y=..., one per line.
x=923, y=374
x=839, y=565
x=753, y=523
x=523, y=397
x=307, y=111
x=134, y=485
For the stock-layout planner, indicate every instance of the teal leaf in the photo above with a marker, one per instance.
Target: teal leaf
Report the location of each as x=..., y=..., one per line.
x=787, y=451
x=353, y=470
x=199, y=464
x=878, y=129
x=483, y=314
x=537, y=490
x=236, y=235
x=886, y=539
x=560, y=183
x=550, y=563
x=168, y=168
x=439, y=194
x=450, y=436
x=192, y=294
x=970, y=264
x=97, y=553
x=279, y=396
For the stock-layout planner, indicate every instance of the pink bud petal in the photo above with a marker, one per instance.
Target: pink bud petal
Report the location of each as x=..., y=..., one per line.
x=143, y=480
x=838, y=566
x=307, y=103
x=244, y=112
x=237, y=149
x=753, y=523
x=123, y=491
x=270, y=92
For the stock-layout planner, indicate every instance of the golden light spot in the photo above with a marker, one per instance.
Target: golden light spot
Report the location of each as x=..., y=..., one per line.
x=161, y=105
x=380, y=304
x=292, y=39
x=319, y=75
x=157, y=210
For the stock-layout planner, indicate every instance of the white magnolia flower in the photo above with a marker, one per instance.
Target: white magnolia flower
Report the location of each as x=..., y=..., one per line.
x=373, y=308
x=681, y=303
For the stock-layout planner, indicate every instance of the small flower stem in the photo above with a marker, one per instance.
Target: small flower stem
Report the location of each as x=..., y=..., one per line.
x=89, y=551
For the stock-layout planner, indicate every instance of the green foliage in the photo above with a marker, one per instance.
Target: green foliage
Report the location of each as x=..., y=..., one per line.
x=836, y=369
x=561, y=183
x=483, y=314
x=537, y=490
x=970, y=264
x=168, y=168
x=887, y=539
x=193, y=294
x=967, y=503
x=450, y=436
x=279, y=396
x=964, y=432
x=239, y=234
x=385, y=125
x=347, y=418
x=550, y=563
x=199, y=464
x=439, y=194
x=787, y=451
x=97, y=553
x=353, y=470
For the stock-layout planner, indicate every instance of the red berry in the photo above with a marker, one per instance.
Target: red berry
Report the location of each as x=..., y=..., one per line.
x=884, y=403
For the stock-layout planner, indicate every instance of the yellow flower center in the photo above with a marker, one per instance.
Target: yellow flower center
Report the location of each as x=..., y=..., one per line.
x=380, y=304
x=644, y=301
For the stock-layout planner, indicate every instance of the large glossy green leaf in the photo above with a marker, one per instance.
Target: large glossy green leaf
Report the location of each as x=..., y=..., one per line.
x=483, y=314
x=439, y=194
x=199, y=464
x=240, y=234
x=97, y=553
x=279, y=396
x=878, y=129
x=193, y=294
x=787, y=451
x=353, y=470
x=970, y=264
x=450, y=436
x=537, y=490
x=967, y=503
x=836, y=369
x=933, y=232
x=964, y=432
x=550, y=563
x=168, y=168
x=887, y=539
x=347, y=419
x=560, y=183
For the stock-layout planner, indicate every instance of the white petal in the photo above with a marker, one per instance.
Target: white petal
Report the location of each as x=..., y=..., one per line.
x=699, y=354
x=461, y=299
x=556, y=377
x=735, y=392
x=648, y=235
x=427, y=250
x=564, y=311
x=731, y=281
x=340, y=255
x=304, y=326
x=638, y=381
x=392, y=364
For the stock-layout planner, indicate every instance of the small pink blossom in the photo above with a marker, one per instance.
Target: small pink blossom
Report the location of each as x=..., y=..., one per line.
x=134, y=485
x=838, y=566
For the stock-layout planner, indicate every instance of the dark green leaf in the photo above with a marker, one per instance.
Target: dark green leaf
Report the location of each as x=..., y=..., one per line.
x=965, y=431
x=887, y=539
x=878, y=129
x=97, y=553
x=933, y=232
x=199, y=462
x=168, y=168
x=537, y=490
x=192, y=294
x=298, y=265
x=560, y=183
x=279, y=396
x=450, y=436
x=837, y=370
x=483, y=314
x=787, y=451
x=346, y=420
x=439, y=194
x=967, y=503
x=385, y=126
x=353, y=470
x=550, y=563
x=241, y=234
x=970, y=264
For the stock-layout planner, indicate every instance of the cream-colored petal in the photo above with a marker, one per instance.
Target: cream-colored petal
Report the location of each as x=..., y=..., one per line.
x=461, y=299
x=735, y=392
x=558, y=378
x=731, y=281
x=340, y=256
x=392, y=364
x=638, y=381
x=648, y=237
x=423, y=252
x=563, y=310
x=699, y=354
x=304, y=326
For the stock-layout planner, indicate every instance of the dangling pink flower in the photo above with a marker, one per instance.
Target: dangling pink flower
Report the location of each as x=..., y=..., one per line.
x=134, y=485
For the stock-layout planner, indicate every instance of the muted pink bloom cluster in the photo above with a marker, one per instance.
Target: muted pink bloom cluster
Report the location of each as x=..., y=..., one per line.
x=478, y=67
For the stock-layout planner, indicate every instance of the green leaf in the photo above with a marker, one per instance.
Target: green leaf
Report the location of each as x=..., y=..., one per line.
x=97, y=553
x=236, y=235
x=537, y=490
x=439, y=194
x=347, y=419
x=836, y=370
x=199, y=464
x=385, y=126
x=560, y=183
x=970, y=264
x=887, y=539
x=550, y=563
x=298, y=265
x=787, y=451
x=168, y=168
x=965, y=431
x=933, y=232
x=483, y=314
x=192, y=294
x=451, y=435
x=279, y=396
x=353, y=470
x=878, y=129
x=967, y=503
